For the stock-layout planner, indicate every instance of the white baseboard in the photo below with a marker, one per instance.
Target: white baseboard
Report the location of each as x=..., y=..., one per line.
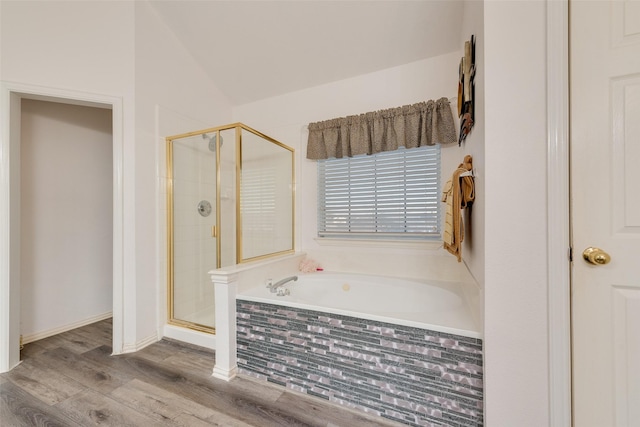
x=225, y=374
x=132, y=348
x=55, y=331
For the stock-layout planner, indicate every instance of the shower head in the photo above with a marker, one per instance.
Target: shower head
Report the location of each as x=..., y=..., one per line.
x=212, y=141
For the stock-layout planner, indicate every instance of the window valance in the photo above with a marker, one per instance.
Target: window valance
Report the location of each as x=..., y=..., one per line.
x=410, y=126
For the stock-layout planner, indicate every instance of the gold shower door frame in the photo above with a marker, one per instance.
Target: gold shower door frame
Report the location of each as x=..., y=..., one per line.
x=170, y=197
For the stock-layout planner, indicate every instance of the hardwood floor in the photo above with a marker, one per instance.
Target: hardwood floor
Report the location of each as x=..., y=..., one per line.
x=71, y=379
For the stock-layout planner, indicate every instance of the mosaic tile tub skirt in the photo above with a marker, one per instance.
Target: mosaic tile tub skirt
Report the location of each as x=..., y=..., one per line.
x=414, y=376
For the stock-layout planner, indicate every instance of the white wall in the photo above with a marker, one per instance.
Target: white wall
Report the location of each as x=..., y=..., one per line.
x=172, y=96
x=286, y=117
x=66, y=216
x=516, y=349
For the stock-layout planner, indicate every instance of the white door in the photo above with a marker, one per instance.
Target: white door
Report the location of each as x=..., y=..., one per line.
x=605, y=155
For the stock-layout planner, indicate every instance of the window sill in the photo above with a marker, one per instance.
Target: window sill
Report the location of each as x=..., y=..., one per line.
x=369, y=243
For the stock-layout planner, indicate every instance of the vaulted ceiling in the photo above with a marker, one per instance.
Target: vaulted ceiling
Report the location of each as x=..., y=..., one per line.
x=258, y=49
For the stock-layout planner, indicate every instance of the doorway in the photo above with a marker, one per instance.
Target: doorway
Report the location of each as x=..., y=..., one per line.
x=66, y=217
x=11, y=97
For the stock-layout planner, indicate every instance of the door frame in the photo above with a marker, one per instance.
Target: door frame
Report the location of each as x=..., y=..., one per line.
x=10, y=112
x=558, y=214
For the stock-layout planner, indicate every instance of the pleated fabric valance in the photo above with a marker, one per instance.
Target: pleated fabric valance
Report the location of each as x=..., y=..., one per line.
x=410, y=126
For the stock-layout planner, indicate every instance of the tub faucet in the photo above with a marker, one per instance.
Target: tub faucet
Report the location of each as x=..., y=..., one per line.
x=274, y=286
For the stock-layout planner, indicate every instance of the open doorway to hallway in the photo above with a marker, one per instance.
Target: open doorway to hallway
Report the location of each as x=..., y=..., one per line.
x=66, y=217
x=11, y=97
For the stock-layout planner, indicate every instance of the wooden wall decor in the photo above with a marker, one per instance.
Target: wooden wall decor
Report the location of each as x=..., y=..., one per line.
x=466, y=88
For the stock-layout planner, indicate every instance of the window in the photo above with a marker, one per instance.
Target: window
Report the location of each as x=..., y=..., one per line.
x=392, y=194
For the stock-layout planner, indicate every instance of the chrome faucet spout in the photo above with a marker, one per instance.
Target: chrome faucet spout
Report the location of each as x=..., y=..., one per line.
x=274, y=286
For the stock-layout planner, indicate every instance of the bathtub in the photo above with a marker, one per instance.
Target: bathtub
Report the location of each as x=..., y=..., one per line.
x=435, y=305
x=399, y=349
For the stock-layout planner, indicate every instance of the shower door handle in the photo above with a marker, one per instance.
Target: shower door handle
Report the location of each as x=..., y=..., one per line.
x=214, y=231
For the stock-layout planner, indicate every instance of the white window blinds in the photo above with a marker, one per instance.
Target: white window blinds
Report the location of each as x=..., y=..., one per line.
x=392, y=194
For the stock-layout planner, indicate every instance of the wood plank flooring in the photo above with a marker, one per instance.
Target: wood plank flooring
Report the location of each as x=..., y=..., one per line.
x=71, y=379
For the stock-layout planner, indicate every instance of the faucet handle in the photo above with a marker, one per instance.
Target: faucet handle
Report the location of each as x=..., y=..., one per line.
x=283, y=292
x=269, y=283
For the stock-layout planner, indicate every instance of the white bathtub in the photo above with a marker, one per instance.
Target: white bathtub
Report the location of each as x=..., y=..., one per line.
x=434, y=305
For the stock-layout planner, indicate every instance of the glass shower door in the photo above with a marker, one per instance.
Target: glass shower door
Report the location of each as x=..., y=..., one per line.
x=192, y=234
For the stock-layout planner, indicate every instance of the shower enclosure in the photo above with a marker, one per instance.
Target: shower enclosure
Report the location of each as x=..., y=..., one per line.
x=230, y=199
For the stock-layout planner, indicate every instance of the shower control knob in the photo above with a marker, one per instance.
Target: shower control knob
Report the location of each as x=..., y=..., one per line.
x=596, y=256
x=204, y=208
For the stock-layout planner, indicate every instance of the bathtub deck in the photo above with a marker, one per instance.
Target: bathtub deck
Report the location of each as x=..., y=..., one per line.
x=72, y=380
x=435, y=305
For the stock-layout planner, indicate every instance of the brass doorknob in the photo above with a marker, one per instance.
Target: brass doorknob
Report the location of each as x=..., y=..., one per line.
x=596, y=256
